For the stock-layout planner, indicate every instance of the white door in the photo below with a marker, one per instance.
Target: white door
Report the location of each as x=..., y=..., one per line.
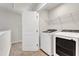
x=30, y=31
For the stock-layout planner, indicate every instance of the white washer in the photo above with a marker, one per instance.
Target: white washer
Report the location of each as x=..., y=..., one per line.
x=47, y=41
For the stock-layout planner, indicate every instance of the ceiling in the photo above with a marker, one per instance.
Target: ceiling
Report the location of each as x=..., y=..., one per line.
x=50, y=6
x=19, y=7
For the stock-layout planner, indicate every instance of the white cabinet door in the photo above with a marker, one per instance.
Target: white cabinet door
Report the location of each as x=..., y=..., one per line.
x=30, y=31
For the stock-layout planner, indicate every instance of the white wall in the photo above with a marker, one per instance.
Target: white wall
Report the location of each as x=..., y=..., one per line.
x=43, y=19
x=62, y=16
x=12, y=21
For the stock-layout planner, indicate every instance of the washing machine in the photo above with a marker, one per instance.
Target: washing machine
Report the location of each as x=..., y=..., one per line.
x=46, y=41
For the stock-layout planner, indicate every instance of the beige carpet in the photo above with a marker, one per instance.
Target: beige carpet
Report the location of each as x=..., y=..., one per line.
x=16, y=50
